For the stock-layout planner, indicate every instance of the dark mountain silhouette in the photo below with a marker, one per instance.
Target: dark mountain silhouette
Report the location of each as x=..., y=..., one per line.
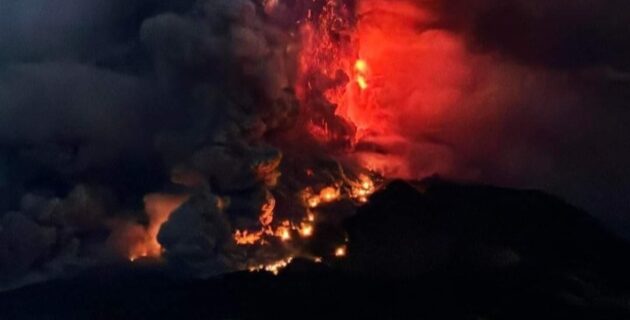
x=422, y=250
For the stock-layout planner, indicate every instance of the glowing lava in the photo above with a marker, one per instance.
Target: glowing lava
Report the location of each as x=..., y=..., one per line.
x=361, y=67
x=329, y=194
x=158, y=208
x=306, y=230
x=356, y=190
x=341, y=251
x=274, y=267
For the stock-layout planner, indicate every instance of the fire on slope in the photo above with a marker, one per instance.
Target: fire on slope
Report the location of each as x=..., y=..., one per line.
x=285, y=230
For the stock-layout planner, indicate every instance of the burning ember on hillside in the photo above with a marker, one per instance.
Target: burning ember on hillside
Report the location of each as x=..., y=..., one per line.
x=285, y=230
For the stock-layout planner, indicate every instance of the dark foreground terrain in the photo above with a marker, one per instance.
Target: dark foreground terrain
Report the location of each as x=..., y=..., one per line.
x=431, y=250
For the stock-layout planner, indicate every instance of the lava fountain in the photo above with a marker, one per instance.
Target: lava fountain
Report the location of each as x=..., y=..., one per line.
x=387, y=75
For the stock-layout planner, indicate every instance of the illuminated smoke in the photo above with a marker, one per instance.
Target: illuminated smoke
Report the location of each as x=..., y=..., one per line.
x=458, y=89
x=141, y=241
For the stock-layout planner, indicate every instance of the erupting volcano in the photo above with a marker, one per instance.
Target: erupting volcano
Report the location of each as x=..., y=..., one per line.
x=361, y=92
x=225, y=155
x=368, y=79
x=337, y=93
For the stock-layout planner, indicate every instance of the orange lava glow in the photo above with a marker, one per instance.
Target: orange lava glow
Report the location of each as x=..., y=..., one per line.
x=341, y=251
x=362, y=189
x=361, y=68
x=407, y=78
x=266, y=219
x=158, y=208
x=346, y=189
x=266, y=215
x=306, y=230
x=246, y=238
x=329, y=194
x=274, y=267
x=283, y=232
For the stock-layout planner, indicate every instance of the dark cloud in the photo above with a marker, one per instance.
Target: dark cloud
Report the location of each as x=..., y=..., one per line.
x=102, y=99
x=559, y=34
x=39, y=30
x=48, y=236
x=199, y=237
x=69, y=101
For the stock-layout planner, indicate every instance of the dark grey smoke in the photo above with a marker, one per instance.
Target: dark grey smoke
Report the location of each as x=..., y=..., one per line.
x=554, y=34
x=106, y=101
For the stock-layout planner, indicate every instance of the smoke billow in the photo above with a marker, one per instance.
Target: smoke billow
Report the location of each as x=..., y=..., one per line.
x=53, y=234
x=105, y=102
x=517, y=93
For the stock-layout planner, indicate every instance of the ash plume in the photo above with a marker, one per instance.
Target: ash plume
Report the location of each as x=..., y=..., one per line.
x=115, y=100
x=516, y=93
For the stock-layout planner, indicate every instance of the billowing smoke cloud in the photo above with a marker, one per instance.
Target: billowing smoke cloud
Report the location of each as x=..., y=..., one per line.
x=564, y=65
x=553, y=34
x=519, y=93
x=104, y=102
x=49, y=236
